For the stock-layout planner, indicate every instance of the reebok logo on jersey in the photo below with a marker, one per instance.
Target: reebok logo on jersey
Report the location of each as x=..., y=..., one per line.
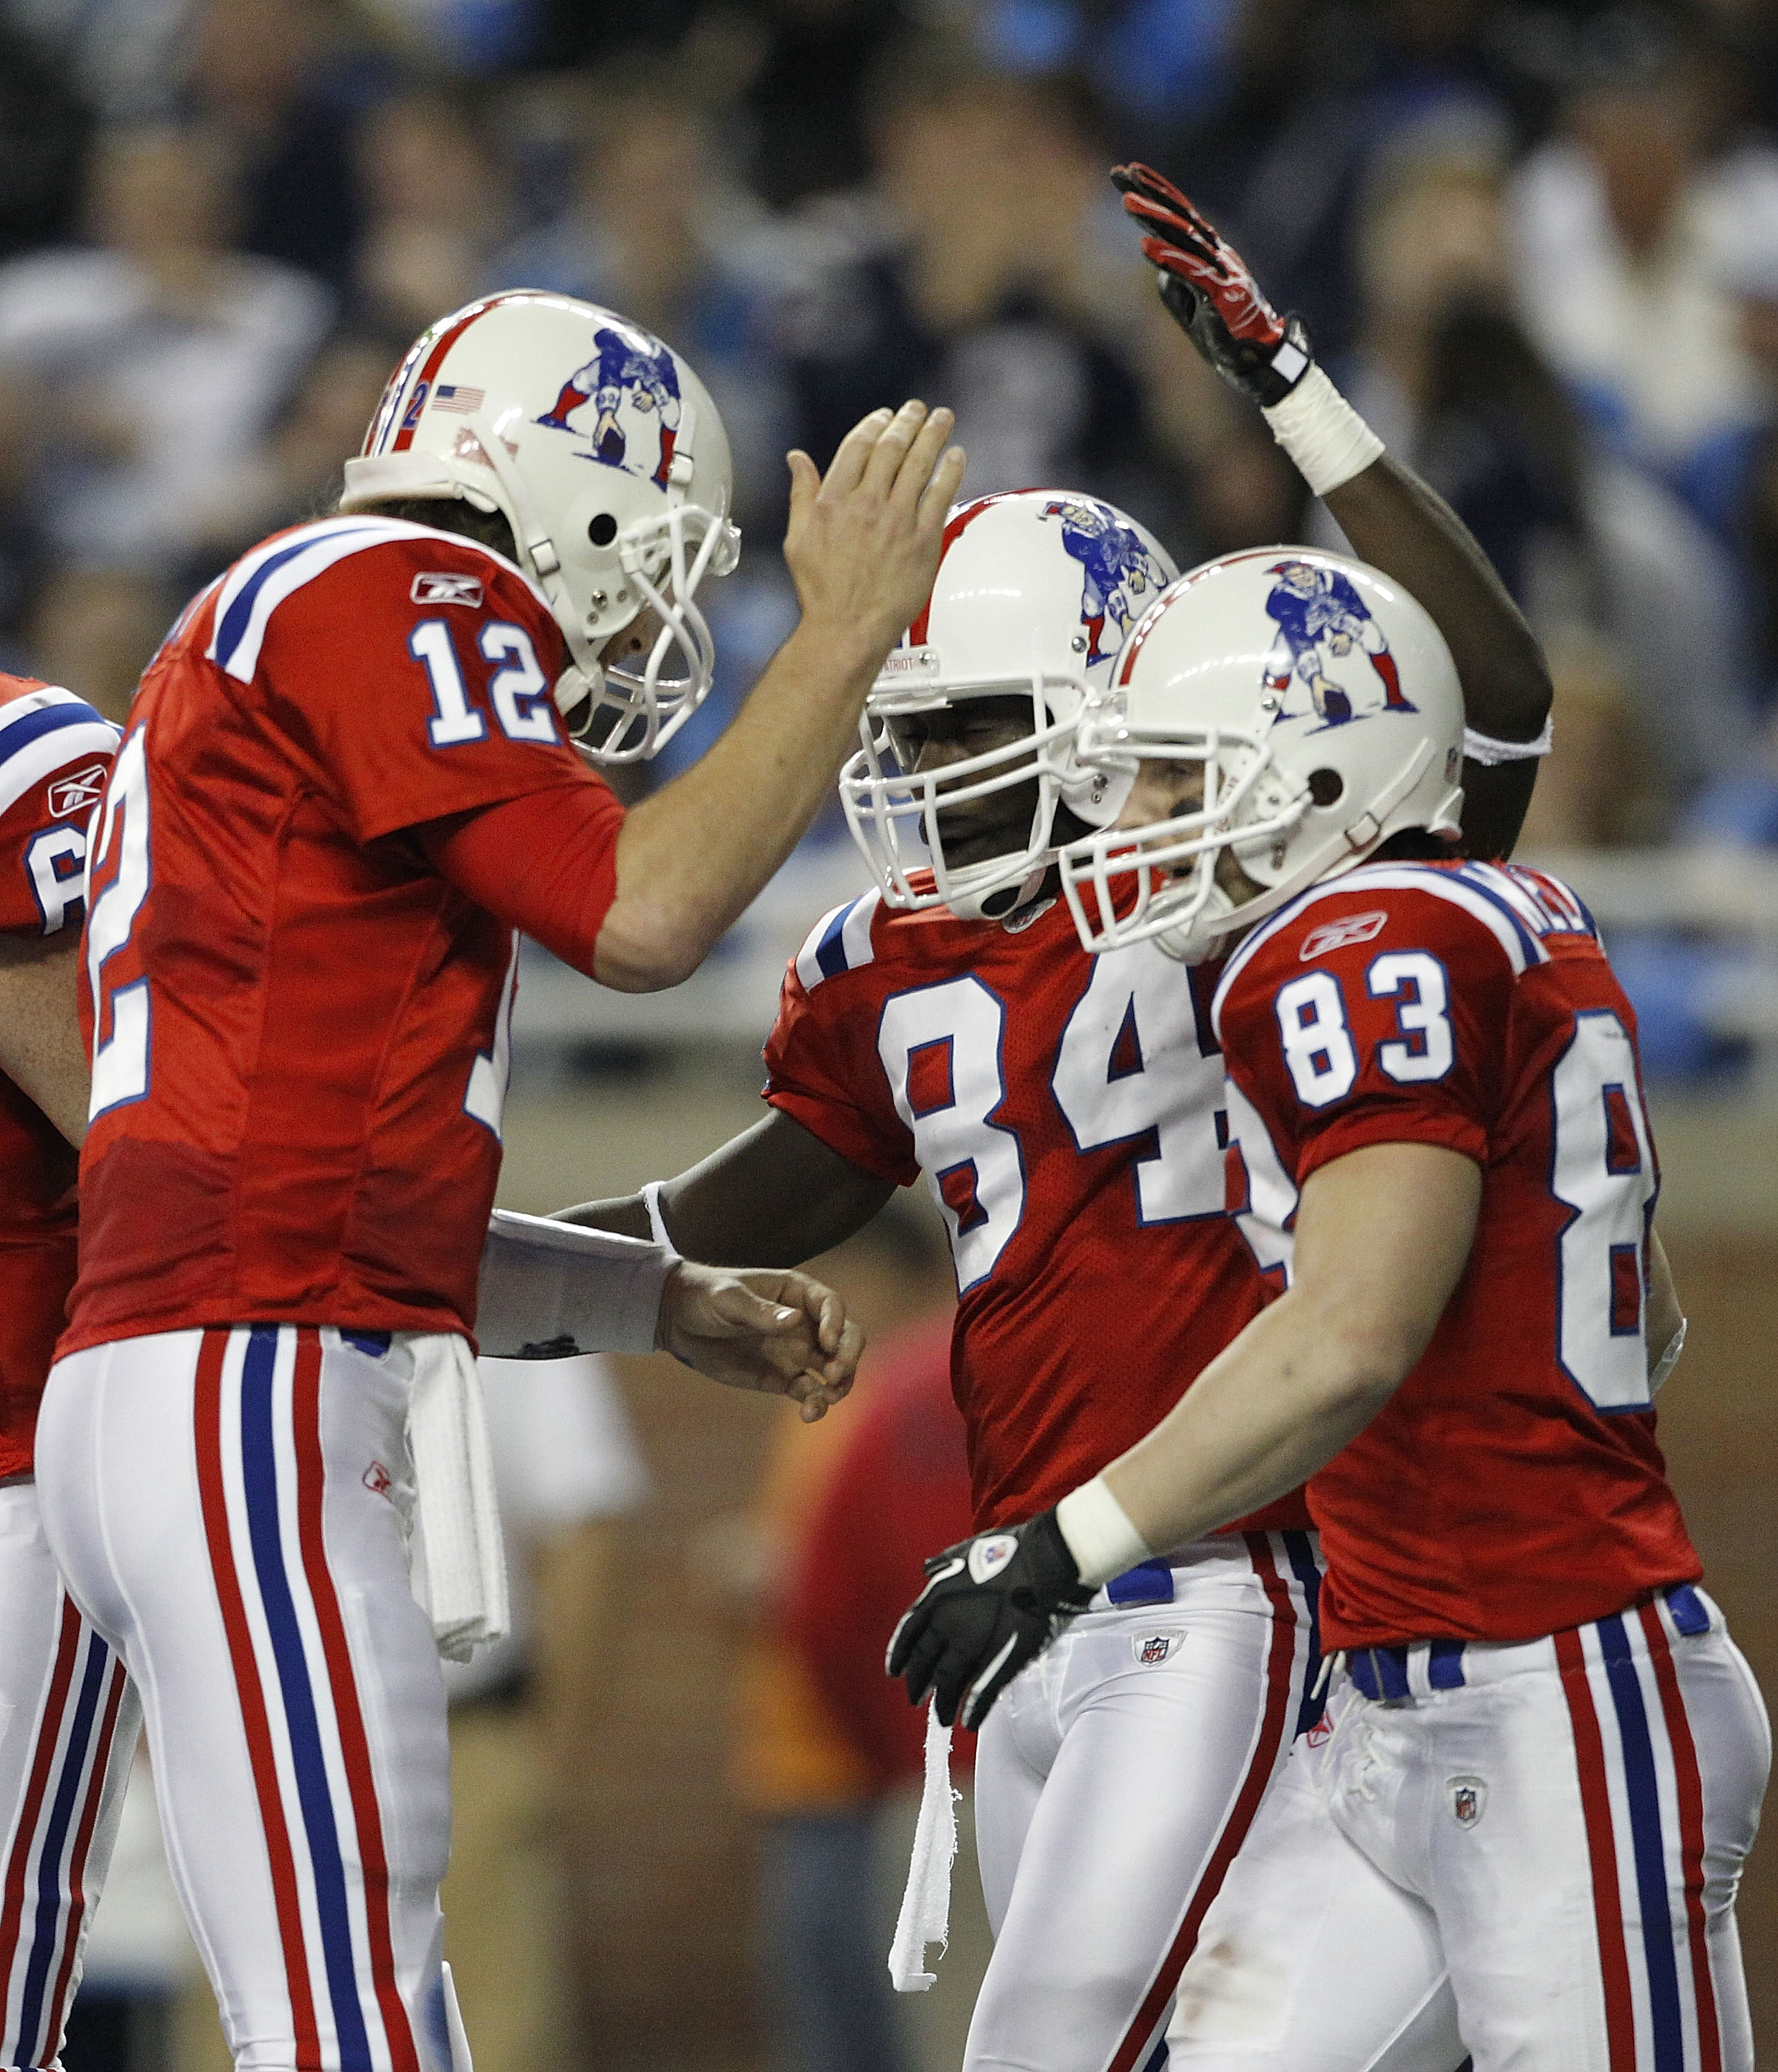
x=75, y=794
x=1150, y=1648
x=987, y=1557
x=1468, y=1798
x=378, y=1480
x=438, y=588
x=1336, y=934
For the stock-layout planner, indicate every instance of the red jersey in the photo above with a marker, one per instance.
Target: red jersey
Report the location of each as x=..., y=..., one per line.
x=300, y=1028
x=54, y=754
x=1067, y=1110
x=1512, y=1486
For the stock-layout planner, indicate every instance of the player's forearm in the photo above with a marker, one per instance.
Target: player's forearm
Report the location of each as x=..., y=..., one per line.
x=693, y=857
x=1382, y=1237
x=1279, y=1404
x=626, y=1214
x=776, y=1195
x=41, y=1050
x=1399, y=524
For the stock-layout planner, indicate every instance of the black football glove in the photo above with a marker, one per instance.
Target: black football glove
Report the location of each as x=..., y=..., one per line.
x=1205, y=284
x=991, y=1604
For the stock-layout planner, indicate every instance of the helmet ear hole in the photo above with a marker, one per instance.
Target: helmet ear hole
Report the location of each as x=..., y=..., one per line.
x=1326, y=787
x=603, y=530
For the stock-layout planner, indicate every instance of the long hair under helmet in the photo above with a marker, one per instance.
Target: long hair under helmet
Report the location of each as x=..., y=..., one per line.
x=1321, y=707
x=1036, y=592
x=605, y=454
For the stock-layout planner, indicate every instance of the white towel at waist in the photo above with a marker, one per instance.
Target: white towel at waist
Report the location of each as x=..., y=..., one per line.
x=459, y=1568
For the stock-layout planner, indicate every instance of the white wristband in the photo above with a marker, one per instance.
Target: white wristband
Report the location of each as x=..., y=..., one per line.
x=1321, y=432
x=545, y=1283
x=657, y=1223
x=1099, y=1534
x=1669, y=1360
x=1483, y=748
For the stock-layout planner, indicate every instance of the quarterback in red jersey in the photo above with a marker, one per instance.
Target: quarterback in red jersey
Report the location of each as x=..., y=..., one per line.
x=345, y=787
x=69, y=1715
x=1070, y=1116
x=1522, y=1837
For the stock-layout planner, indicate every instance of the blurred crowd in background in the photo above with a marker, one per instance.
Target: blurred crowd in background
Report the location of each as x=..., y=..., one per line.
x=1536, y=241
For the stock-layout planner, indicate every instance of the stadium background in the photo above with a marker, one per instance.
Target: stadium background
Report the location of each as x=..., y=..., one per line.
x=1537, y=243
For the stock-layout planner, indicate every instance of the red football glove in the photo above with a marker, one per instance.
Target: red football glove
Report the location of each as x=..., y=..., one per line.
x=1206, y=285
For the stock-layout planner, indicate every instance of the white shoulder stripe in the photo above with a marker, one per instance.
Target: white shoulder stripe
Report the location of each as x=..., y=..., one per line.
x=839, y=941
x=41, y=758
x=856, y=936
x=1515, y=936
x=1489, y=878
x=36, y=701
x=261, y=579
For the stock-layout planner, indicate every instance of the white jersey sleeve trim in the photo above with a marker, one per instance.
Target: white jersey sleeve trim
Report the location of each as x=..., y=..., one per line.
x=839, y=941
x=1505, y=910
x=261, y=581
x=45, y=731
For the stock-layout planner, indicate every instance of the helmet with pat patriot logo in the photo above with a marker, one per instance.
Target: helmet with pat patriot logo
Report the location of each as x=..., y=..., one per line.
x=1036, y=592
x=1322, y=708
x=605, y=454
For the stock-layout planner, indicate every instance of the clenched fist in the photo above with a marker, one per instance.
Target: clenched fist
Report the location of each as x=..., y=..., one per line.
x=764, y=1328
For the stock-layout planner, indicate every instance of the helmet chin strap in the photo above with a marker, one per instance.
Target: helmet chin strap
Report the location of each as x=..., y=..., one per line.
x=1002, y=901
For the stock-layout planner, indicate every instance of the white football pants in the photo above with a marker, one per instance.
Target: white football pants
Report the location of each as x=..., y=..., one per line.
x=229, y=1508
x=68, y=1723
x=1537, y=1866
x=1115, y=1780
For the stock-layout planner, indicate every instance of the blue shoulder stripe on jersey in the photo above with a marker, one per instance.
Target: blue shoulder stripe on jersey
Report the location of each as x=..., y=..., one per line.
x=239, y=614
x=1534, y=951
x=830, y=952
x=20, y=733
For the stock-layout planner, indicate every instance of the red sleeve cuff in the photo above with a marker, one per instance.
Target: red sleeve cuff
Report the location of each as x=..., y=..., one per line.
x=546, y=862
x=1392, y=1125
x=846, y=1131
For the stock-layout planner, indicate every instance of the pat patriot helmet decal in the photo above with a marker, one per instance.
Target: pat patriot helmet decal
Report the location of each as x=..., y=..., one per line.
x=1037, y=592
x=1313, y=711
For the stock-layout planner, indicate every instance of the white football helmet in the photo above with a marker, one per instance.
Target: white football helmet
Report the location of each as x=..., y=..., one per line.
x=1322, y=707
x=606, y=455
x=1036, y=591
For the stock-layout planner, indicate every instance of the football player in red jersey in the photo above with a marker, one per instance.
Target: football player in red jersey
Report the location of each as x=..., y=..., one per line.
x=1070, y=1116
x=69, y=1715
x=345, y=787
x=1523, y=1836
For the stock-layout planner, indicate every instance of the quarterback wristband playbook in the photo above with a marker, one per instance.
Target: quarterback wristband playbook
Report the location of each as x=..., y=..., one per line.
x=1098, y=1532
x=1323, y=434
x=550, y=1289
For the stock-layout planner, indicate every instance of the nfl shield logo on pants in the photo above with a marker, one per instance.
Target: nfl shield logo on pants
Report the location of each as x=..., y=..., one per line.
x=1468, y=1795
x=1150, y=1648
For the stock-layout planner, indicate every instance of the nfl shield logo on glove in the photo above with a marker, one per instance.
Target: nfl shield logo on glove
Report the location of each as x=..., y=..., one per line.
x=989, y=1556
x=1468, y=1796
